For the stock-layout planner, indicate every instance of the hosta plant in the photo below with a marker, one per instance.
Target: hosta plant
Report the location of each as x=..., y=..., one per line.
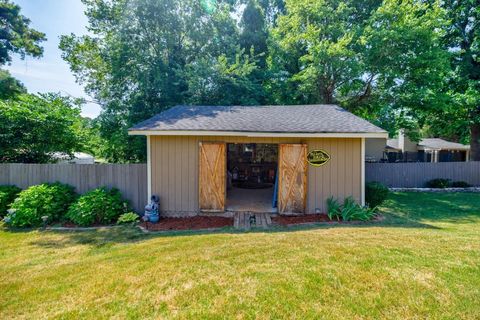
x=98, y=206
x=50, y=200
x=7, y=195
x=128, y=218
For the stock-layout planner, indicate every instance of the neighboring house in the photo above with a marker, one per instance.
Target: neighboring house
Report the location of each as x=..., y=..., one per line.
x=402, y=149
x=307, y=152
x=78, y=158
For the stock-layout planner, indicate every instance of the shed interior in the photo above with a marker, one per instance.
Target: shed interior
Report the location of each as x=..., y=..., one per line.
x=251, y=177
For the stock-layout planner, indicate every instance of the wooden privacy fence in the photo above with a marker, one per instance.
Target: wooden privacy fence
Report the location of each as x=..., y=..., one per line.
x=130, y=179
x=416, y=174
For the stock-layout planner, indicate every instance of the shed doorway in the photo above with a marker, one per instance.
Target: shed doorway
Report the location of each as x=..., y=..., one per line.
x=251, y=177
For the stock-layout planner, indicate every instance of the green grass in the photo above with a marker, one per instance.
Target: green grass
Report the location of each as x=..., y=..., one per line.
x=422, y=261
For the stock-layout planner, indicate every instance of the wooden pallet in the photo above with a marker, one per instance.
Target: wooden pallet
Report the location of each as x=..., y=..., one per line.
x=248, y=220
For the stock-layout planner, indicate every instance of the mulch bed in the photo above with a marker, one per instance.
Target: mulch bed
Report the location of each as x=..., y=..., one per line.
x=307, y=218
x=189, y=223
x=314, y=218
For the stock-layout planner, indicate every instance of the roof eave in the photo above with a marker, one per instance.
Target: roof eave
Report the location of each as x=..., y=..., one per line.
x=428, y=148
x=259, y=134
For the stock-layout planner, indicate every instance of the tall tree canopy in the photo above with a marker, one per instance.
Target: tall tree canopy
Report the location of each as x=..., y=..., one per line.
x=460, y=118
x=397, y=63
x=375, y=58
x=15, y=34
x=146, y=55
x=254, y=31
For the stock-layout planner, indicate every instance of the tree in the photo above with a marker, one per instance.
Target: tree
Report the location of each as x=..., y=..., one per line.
x=315, y=50
x=271, y=10
x=404, y=66
x=15, y=34
x=461, y=117
x=33, y=128
x=254, y=31
x=9, y=86
x=381, y=60
x=141, y=56
x=224, y=81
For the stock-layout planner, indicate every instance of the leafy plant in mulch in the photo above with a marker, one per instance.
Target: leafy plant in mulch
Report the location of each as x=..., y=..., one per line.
x=128, y=218
x=375, y=194
x=43, y=203
x=438, y=183
x=350, y=210
x=460, y=184
x=446, y=183
x=7, y=195
x=98, y=206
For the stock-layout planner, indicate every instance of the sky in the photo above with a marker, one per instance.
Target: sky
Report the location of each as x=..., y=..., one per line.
x=51, y=73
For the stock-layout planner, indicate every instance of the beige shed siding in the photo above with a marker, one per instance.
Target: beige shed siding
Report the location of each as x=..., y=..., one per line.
x=175, y=170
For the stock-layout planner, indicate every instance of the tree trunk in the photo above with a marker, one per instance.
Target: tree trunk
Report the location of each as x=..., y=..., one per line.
x=327, y=94
x=475, y=142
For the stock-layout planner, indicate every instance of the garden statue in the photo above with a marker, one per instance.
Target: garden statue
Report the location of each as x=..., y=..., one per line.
x=151, y=210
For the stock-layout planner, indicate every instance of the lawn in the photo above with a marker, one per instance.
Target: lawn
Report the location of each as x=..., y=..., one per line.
x=422, y=261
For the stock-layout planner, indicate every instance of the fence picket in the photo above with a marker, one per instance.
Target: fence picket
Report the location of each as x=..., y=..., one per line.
x=416, y=174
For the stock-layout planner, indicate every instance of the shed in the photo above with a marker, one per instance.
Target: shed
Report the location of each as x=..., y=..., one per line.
x=285, y=159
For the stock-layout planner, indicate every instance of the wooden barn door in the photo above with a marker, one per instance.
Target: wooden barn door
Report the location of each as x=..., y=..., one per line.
x=212, y=172
x=292, y=184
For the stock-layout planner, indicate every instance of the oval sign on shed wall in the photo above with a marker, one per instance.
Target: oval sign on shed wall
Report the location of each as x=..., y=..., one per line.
x=317, y=158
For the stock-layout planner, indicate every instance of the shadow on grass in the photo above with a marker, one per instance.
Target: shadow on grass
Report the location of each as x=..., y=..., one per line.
x=434, y=207
x=106, y=237
x=402, y=210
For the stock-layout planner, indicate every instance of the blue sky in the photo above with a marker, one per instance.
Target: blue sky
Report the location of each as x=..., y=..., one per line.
x=50, y=73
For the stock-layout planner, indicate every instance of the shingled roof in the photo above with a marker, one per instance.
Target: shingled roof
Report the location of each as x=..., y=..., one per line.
x=268, y=119
x=430, y=143
x=440, y=144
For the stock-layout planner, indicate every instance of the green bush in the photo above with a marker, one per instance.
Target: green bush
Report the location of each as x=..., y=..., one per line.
x=460, y=184
x=438, y=183
x=349, y=211
x=375, y=194
x=333, y=208
x=7, y=195
x=98, y=206
x=50, y=200
x=128, y=218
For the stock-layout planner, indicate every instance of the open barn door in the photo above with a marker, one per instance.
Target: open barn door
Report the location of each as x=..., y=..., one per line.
x=292, y=186
x=212, y=171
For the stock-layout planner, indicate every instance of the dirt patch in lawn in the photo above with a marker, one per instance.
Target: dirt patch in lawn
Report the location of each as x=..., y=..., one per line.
x=190, y=223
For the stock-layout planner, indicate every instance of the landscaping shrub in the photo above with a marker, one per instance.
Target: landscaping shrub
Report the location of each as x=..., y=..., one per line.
x=333, y=208
x=438, y=183
x=98, y=206
x=50, y=200
x=7, y=195
x=349, y=211
x=375, y=194
x=128, y=218
x=460, y=184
